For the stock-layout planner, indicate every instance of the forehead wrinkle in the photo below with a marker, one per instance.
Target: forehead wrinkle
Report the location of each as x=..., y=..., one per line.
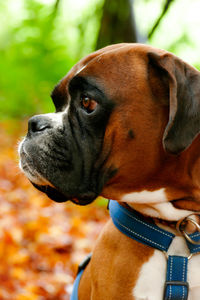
x=98, y=57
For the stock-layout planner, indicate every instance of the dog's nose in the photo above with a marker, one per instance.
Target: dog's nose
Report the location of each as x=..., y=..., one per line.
x=38, y=123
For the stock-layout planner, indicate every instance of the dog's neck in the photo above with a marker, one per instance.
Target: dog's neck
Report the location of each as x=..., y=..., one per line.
x=156, y=205
x=181, y=194
x=170, y=192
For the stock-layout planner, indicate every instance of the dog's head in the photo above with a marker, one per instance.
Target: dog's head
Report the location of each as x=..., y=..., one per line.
x=126, y=126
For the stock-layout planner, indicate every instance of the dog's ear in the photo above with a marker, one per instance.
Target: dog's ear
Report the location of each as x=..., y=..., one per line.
x=183, y=84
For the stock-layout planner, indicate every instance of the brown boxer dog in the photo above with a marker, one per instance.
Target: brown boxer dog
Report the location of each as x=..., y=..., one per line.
x=126, y=127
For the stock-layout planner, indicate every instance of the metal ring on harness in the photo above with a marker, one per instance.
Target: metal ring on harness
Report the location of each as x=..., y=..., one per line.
x=181, y=225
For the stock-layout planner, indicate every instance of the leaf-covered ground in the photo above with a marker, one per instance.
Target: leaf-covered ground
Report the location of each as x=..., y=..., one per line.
x=41, y=242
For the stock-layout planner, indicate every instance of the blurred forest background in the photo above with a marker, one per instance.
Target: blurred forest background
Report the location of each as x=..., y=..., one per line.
x=41, y=242
x=40, y=40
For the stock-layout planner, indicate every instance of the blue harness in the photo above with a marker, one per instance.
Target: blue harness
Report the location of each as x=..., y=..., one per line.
x=134, y=226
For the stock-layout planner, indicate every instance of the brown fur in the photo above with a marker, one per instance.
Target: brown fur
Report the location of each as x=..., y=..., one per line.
x=114, y=266
x=142, y=99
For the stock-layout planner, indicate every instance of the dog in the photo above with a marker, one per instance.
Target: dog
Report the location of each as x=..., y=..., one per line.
x=126, y=127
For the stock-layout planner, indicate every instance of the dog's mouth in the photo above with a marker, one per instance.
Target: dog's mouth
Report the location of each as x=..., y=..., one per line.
x=57, y=196
x=26, y=165
x=50, y=188
x=51, y=192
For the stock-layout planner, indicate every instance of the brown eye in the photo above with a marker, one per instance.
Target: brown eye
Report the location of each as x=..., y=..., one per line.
x=88, y=104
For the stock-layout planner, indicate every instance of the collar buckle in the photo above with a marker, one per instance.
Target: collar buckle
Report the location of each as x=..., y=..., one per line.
x=182, y=224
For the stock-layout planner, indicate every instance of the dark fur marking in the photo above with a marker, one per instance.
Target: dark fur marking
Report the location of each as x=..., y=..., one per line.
x=131, y=134
x=59, y=98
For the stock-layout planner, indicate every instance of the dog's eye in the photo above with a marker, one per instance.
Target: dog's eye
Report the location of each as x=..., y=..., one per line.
x=88, y=104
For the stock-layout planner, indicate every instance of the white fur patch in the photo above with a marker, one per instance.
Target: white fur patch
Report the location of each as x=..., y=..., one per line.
x=81, y=69
x=165, y=211
x=150, y=284
x=56, y=118
x=151, y=278
x=154, y=204
x=194, y=277
x=145, y=196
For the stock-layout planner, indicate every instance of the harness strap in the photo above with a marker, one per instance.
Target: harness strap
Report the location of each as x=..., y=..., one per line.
x=81, y=268
x=176, y=285
x=134, y=225
x=84, y=263
x=74, y=295
x=192, y=247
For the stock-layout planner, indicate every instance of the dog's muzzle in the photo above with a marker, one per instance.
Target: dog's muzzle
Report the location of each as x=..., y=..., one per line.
x=37, y=125
x=48, y=156
x=39, y=128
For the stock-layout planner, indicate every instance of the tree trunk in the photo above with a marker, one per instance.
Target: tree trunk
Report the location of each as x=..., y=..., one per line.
x=117, y=24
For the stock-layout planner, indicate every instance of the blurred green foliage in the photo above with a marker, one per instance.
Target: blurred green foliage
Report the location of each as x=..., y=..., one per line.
x=40, y=40
x=179, y=30
x=37, y=50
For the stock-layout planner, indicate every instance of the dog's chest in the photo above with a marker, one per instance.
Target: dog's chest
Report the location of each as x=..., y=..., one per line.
x=150, y=284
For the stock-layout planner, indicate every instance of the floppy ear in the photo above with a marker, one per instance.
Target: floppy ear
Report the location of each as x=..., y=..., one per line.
x=183, y=83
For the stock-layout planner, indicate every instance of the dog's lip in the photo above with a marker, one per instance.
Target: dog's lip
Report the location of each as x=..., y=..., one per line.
x=27, y=166
x=82, y=202
x=45, y=186
x=57, y=196
x=51, y=192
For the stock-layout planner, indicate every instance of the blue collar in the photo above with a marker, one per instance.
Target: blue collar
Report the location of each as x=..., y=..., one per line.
x=133, y=225
x=136, y=227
